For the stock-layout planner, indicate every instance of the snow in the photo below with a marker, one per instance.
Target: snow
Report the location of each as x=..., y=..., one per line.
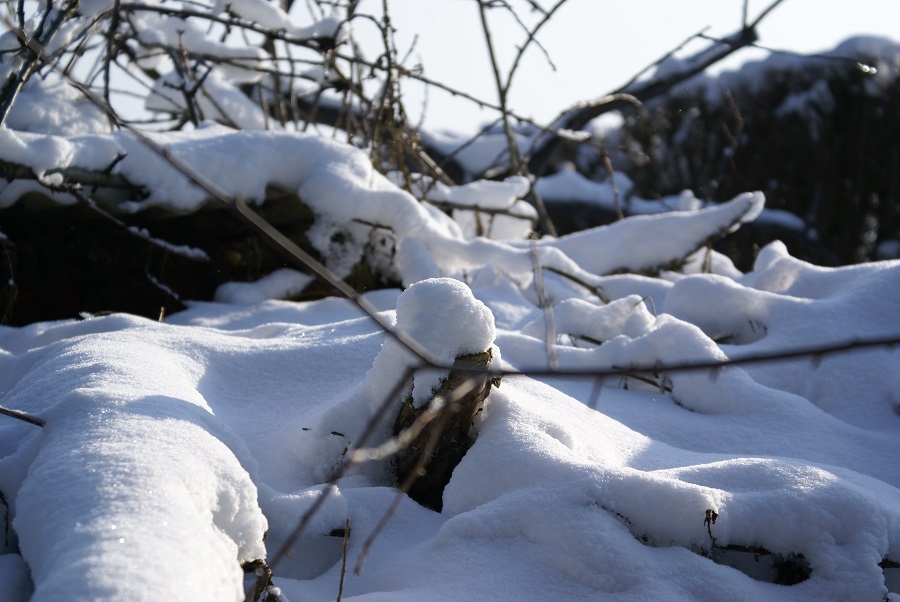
x=173, y=452
x=444, y=321
x=52, y=107
x=218, y=99
x=242, y=64
x=516, y=221
x=477, y=156
x=270, y=16
x=655, y=240
x=170, y=448
x=874, y=57
x=280, y=284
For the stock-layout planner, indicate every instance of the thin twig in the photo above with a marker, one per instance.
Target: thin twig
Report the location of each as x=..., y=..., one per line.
x=812, y=351
x=24, y=417
x=607, y=162
x=344, y=558
x=546, y=306
x=36, y=46
x=532, y=39
x=764, y=13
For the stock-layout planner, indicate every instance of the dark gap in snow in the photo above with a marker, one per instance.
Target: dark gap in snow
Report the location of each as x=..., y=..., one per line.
x=892, y=579
x=762, y=565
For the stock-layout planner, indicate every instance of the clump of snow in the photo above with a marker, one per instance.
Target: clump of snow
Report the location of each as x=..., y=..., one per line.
x=218, y=99
x=483, y=194
x=54, y=107
x=649, y=242
x=583, y=320
x=444, y=317
x=490, y=148
x=507, y=217
x=241, y=64
x=47, y=154
x=442, y=320
x=270, y=16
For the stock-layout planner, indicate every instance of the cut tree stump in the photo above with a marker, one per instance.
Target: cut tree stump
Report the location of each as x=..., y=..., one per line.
x=425, y=465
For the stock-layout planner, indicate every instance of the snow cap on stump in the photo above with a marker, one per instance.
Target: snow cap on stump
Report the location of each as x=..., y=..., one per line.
x=446, y=321
x=445, y=318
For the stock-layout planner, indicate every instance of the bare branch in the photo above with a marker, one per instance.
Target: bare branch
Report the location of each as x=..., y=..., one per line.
x=24, y=417
x=71, y=175
x=532, y=39
x=513, y=147
x=34, y=57
x=764, y=13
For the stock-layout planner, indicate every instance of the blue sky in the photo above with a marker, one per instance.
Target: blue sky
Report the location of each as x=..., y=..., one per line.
x=598, y=45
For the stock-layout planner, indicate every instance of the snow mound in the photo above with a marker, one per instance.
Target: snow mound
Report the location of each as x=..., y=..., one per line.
x=169, y=448
x=134, y=489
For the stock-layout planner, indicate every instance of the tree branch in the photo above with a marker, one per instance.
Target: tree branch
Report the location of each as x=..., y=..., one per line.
x=72, y=176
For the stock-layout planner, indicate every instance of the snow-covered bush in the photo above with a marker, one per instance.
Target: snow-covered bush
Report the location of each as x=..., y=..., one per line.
x=815, y=133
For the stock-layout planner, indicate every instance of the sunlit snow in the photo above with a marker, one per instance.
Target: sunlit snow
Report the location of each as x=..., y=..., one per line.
x=172, y=452
x=171, y=448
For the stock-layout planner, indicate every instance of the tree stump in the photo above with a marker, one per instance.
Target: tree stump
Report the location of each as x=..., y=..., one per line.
x=425, y=465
